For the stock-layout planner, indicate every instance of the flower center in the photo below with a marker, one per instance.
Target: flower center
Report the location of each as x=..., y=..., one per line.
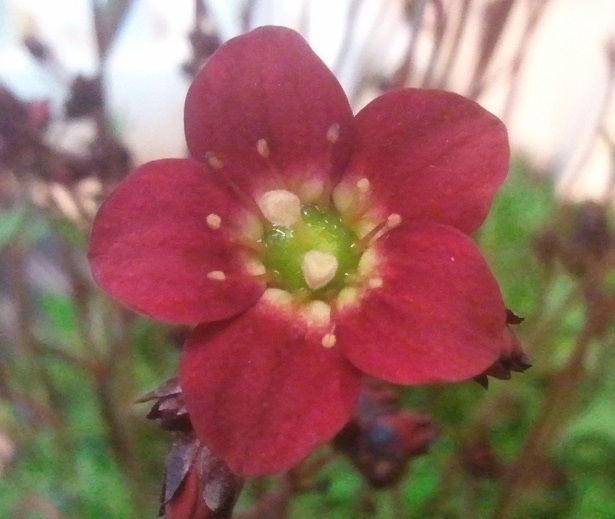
x=316, y=253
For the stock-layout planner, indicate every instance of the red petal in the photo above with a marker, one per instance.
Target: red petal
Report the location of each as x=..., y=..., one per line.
x=268, y=84
x=432, y=155
x=262, y=391
x=438, y=317
x=152, y=249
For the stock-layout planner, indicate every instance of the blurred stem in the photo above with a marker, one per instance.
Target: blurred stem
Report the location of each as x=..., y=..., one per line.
x=537, y=10
x=456, y=43
x=439, y=32
x=351, y=21
x=557, y=404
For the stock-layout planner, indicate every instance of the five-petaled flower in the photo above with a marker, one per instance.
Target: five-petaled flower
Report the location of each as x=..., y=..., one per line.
x=310, y=246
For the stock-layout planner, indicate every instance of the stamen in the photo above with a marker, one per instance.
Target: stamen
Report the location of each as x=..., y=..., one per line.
x=393, y=220
x=263, y=148
x=280, y=207
x=216, y=275
x=333, y=133
x=214, y=221
x=213, y=160
x=328, y=340
x=318, y=268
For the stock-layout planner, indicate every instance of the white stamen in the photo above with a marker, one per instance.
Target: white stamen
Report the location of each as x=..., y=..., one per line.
x=214, y=221
x=328, y=340
x=393, y=220
x=318, y=268
x=213, y=160
x=278, y=297
x=333, y=133
x=255, y=268
x=317, y=314
x=363, y=185
x=375, y=283
x=216, y=275
x=280, y=207
x=263, y=148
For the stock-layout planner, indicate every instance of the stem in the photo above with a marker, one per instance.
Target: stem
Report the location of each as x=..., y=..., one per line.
x=556, y=407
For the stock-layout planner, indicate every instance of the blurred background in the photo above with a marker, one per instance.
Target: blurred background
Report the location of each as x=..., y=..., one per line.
x=90, y=89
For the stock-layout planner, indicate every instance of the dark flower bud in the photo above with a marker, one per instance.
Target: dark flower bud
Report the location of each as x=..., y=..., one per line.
x=169, y=410
x=37, y=48
x=110, y=158
x=197, y=485
x=381, y=440
x=85, y=97
x=513, y=358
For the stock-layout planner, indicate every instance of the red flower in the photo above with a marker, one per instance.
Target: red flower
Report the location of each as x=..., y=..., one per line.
x=311, y=245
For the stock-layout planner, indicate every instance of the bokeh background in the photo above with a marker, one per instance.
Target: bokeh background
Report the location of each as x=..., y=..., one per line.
x=90, y=89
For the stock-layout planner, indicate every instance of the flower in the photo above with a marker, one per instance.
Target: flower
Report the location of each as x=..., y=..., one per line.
x=310, y=246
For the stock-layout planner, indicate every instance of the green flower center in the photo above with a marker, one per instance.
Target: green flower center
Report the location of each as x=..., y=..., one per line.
x=332, y=251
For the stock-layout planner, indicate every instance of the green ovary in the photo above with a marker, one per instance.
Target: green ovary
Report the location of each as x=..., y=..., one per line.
x=320, y=230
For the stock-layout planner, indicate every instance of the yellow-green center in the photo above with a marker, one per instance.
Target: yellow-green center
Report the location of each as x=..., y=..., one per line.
x=318, y=230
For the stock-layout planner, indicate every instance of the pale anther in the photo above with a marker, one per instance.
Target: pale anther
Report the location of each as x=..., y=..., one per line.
x=333, y=133
x=213, y=160
x=318, y=268
x=328, y=340
x=262, y=147
x=280, y=207
x=214, y=221
x=363, y=185
x=216, y=275
x=393, y=220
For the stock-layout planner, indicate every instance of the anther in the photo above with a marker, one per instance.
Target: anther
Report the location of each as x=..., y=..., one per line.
x=328, y=340
x=393, y=220
x=333, y=133
x=214, y=221
x=280, y=207
x=213, y=160
x=263, y=148
x=319, y=268
x=216, y=275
